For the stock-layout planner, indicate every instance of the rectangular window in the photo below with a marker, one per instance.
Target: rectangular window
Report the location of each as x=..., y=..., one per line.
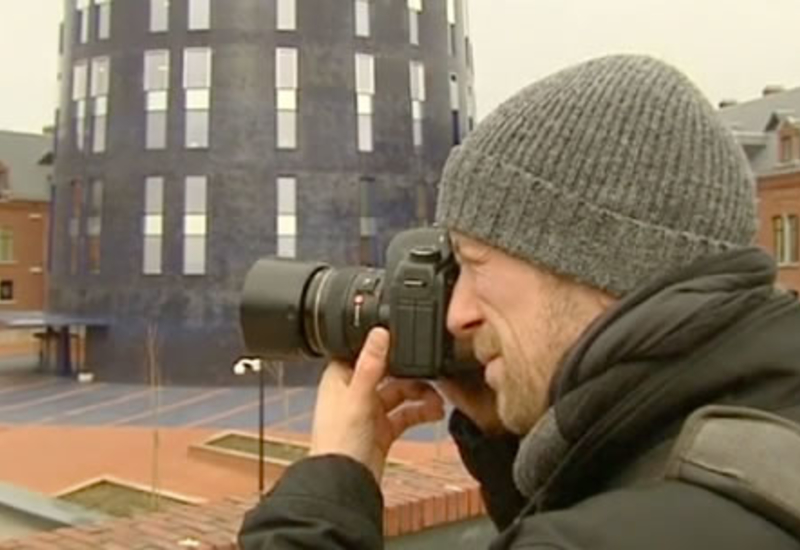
x=455, y=109
x=153, y=225
x=286, y=83
x=94, y=224
x=471, y=108
x=6, y=290
x=779, y=240
x=159, y=15
x=786, y=239
x=156, y=86
x=75, y=225
x=103, y=19
x=417, y=80
x=197, y=84
x=286, y=15
x=452, y=18
x=362, y=17
x=414, y=9
x=84, y=9
x=368, y=224
x=80, y=77
x=199, y=15
x=100, y=78
x=195, y=226
x=287, y=217
x=786, y=153
x=6, y=246
x=365, y=91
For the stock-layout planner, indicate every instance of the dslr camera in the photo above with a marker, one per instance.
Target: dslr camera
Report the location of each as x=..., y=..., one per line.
x=293, y=309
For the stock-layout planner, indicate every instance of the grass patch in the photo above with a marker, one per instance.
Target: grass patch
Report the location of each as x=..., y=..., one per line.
x=276, y=450
x=249, y=445
x=119, y=500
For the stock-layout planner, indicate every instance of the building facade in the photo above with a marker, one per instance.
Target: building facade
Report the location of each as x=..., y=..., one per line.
x=768, y=129
x=195, y=136
x=24, y=214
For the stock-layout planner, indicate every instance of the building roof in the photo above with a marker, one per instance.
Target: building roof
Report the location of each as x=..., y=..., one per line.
x=21, y=155
x=43, y=319
x=753, y=116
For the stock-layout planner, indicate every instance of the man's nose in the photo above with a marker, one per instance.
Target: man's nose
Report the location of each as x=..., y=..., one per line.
x=463, y=314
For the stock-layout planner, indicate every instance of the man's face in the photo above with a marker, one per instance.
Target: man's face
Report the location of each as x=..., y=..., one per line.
x=521, y=320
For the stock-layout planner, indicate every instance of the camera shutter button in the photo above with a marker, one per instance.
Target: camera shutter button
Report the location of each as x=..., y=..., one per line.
x=426, y=254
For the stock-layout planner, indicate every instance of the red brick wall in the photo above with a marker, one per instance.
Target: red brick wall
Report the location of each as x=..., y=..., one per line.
x=779, y=195
x=28, y=221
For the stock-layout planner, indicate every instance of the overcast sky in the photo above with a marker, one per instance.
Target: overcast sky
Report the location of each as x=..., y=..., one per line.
x=731, y=48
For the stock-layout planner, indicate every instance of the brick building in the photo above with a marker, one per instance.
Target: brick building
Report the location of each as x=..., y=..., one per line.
x=768, y=129
x=24, y=214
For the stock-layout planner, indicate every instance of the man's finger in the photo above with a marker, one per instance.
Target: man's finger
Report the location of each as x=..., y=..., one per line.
x=395, y=392
x=336, y=374
x=371, y=364
x=431, y=409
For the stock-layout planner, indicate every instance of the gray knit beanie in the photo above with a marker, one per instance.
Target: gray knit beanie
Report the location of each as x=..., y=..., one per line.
x=609, y=172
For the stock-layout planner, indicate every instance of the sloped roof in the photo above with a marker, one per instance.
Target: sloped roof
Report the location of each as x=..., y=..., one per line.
x=753, y=116
x=21, y=154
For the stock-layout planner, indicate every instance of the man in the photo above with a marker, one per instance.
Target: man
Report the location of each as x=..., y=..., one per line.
x=603, y=220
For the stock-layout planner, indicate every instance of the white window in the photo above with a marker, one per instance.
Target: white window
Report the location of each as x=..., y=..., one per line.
x=156, y=86
x=153, y=225
x=103, y=19
x=80, y=77
x=159, y=15
x=286, y=68
x=454, y=94
x=787, y=239
x=287, y=217
x=197, y=68
x=156, y=70
x=286, y=84
x=100, y=78
x=195, y=226
x=197, y=97
x=417, y=79
x=286, y=15
x=452, y=18
x=84, y=9
x=365, y=91
x=414, y=10
x=362, y=10
x=199, y=15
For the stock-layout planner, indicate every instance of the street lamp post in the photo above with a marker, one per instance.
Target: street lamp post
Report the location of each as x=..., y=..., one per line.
x=260, y=430
x=240, y=368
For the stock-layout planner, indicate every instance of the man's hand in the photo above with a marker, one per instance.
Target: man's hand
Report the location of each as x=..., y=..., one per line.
x=358, y=417
x=476, y=400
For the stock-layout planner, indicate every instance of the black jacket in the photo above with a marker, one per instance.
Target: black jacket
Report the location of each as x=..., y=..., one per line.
x=716, y=333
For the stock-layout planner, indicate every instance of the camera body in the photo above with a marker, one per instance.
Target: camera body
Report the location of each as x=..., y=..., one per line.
x=291, y=309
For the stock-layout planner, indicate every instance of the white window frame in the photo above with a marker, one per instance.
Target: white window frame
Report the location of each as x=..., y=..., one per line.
x=286, y=218
x=363, y=16
x=199, y=15
x=286, y=15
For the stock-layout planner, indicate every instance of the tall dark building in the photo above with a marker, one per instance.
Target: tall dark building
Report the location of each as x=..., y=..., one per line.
x=195, y=136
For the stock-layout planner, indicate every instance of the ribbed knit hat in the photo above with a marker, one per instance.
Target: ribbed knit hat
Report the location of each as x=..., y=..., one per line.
x=609, y=172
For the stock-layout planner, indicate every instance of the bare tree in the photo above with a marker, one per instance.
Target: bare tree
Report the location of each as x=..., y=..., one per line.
x=154, y=377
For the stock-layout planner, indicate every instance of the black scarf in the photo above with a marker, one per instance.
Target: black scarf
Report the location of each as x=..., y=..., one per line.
x=639, y=369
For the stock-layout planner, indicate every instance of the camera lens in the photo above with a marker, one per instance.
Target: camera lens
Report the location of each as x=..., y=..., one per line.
x=293, y=309
x=272, y=307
